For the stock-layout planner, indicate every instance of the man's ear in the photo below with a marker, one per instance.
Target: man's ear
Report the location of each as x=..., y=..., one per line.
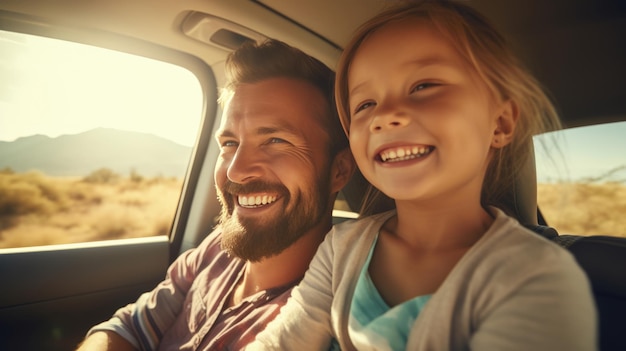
x=341, y=170
x=505, y=124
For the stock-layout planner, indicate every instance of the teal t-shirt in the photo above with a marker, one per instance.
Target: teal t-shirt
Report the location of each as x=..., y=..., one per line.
x=373, y=325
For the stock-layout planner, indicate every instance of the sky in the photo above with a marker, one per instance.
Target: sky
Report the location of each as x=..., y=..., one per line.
x=583, y=152
x=46, y=87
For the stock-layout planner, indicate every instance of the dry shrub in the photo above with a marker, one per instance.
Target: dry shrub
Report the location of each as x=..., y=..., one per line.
x=26, y=194
x=111, y=221
x=44, y=210
x=137, y=212
x=33, y=235
x=63, y=228
x=163, y=211
x=136, y=198
x=584, y=208
x=102, y=176
x=84, y=193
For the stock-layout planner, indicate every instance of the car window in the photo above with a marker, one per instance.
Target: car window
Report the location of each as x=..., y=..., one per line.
x=94, y=143
x=581, y=175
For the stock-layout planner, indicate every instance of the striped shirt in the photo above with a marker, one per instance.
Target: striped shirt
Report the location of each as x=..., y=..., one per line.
x=189, y=309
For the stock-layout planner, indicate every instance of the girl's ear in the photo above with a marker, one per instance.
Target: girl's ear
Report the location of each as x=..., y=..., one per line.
x=505, y=124
x=341, y=170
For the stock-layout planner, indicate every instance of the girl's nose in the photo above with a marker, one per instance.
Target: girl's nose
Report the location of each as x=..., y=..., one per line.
x=388, y=120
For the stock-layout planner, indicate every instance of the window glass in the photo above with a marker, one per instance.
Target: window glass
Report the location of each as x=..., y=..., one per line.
x=94, y=143
x=581, y=175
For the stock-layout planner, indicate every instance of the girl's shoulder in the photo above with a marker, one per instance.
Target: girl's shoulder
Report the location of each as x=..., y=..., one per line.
x=359, y=229
x=507, y=228
x=513, y=242
x=514, y=256
x=372, y=222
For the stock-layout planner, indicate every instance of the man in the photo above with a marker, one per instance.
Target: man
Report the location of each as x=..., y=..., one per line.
x=283, y=159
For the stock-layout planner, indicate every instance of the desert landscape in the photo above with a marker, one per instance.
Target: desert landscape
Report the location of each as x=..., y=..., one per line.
x=584, y=208
x=36, y=209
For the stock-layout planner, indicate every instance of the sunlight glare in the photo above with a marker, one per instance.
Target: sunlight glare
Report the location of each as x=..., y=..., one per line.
x=53, y=87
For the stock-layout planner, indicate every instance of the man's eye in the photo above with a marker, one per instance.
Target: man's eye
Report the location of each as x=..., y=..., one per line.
x=276, y=141
x=229, y=143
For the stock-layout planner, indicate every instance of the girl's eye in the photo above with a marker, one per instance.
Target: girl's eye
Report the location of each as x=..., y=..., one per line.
x=363, y=106
x=422, y=86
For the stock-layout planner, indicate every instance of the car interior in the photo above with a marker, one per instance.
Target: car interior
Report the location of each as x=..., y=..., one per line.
x=52, y=294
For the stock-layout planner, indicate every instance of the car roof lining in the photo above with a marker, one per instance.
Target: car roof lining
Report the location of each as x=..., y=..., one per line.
x=587, y=90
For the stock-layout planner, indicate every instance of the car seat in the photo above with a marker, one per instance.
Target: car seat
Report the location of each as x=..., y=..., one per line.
x=603, y=258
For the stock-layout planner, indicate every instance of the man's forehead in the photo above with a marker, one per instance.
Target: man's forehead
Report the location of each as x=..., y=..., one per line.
x=270, y=121
x=276, y=104
x=257, y=125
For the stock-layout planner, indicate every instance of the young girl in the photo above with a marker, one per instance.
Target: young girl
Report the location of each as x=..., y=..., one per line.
x=440, y=117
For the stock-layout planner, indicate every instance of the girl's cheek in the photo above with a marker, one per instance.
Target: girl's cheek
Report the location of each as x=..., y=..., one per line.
x=358, y=144
x=357, y=127
x=355, y=136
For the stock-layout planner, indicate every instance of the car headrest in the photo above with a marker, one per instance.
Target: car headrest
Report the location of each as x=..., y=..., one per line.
x=524, y=197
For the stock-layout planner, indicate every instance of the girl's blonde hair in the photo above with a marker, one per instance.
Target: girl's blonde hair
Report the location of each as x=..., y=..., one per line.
x=487, y=53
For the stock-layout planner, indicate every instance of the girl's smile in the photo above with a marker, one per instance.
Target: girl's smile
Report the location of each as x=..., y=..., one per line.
x=403, y=153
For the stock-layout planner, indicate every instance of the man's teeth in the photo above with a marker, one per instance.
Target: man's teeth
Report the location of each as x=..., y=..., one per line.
x=258, y=200
x=404, y=153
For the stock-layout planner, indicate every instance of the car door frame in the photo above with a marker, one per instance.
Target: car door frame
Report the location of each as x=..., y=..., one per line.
x=51, y=295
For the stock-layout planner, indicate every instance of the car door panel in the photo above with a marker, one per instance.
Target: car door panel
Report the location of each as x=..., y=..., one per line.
x=57, y=293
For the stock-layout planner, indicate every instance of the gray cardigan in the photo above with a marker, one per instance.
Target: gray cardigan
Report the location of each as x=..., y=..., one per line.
x=513, y=290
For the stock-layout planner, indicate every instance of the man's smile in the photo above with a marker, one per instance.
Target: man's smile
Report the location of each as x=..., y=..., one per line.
x=256, y=200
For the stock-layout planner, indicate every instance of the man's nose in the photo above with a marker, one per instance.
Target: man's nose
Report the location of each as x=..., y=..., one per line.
x=246, y=165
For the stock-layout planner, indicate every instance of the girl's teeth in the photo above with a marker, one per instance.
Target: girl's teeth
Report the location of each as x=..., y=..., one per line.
x=401, y=154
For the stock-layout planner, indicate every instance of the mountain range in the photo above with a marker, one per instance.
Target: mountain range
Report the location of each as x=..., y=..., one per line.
x=83, y=153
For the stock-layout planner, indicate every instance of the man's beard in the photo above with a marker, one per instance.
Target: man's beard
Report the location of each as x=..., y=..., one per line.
x=253, y=239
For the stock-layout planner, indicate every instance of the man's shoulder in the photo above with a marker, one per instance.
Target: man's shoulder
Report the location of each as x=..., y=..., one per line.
x=211, y=242
x=209, y=251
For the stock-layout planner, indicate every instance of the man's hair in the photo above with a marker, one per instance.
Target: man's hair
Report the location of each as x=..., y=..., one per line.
x=486, y=51
x=252, y=63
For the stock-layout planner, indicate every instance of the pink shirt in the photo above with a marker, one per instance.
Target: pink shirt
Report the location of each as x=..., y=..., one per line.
x=187, y=311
